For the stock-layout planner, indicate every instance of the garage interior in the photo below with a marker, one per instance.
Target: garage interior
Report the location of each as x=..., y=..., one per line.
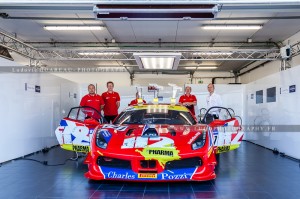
x=248, y=49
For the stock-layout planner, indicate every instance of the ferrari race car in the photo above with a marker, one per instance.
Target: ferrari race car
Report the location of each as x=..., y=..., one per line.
x=75, y=131
x=150, y=142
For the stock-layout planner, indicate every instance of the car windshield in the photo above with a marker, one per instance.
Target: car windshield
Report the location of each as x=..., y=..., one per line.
x=155, y=116
x=82, y=113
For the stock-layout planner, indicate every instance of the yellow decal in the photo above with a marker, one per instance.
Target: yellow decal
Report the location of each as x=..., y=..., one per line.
x=100, y=153
x=77, y=148
x=147, y=175
x=162, y=106
x=222, y=149
x=162, y=155
x=210, y=151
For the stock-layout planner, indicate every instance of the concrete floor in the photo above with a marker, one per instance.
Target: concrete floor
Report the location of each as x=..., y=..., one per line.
x=251, y=172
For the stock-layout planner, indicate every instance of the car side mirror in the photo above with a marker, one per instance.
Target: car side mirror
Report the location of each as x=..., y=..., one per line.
x=201, y=115
x=201, y=118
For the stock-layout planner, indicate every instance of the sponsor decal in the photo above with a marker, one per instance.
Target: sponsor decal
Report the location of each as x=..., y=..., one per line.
x=194, y=138
x=177, y=174
x=166, y=176
x=162, y=130
x=80, y=148
x=186, y=131
x=160, y=152
x=147, y=175
x=142, y=142
x=114, y=174
x=111, y=126
x=222, y=149
x=105, y=133
x=162, y=155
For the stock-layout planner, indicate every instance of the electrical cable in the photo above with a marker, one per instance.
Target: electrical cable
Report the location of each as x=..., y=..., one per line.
x=60, y=164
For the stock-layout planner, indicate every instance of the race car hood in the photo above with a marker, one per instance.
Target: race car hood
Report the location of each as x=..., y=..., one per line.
x=127, y=137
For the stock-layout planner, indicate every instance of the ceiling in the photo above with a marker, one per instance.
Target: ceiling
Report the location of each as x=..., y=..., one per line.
x=26, y=21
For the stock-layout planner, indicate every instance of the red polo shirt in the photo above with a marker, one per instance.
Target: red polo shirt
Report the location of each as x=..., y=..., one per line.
x=190, y=98
x=110, y=101
x=95, y=102
x=135, y=102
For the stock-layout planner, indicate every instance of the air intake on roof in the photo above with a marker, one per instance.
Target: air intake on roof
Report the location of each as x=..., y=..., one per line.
x=155, y=11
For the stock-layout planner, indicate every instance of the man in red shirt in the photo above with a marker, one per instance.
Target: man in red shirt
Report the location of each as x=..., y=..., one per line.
x=111, y=101
x=188, y=100
x=135, y=101
x=92, y=100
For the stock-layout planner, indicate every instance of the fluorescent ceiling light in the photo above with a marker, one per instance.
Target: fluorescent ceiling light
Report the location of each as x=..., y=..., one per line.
x=98, y=53
x=157, y=61
x=213, y=53
x=232, y=27
x=200, y=68
x=73, y=27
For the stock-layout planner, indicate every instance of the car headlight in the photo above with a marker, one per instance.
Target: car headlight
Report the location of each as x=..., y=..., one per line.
x=200, y=141
x=102, y=138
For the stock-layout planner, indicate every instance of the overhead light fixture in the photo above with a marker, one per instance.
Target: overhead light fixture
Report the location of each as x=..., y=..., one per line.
x=157, y=61
x=212, y=53
x=73, y=27
x=153, y=11
x=232, y=27
x=200, y=68
x=98, y=53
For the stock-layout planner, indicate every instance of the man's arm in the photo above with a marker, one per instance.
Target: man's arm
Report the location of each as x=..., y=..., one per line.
x=180, y=101
x=101, y=103
x=83, y=101
x=118, y=101
x=191, y=103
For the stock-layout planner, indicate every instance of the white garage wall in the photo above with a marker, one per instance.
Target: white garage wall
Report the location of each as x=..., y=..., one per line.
x=207, y=76
x=261, y=72
x=27, y=118
x=122, y=79
x=161, y=79
x=284, y=112
x=232, y=96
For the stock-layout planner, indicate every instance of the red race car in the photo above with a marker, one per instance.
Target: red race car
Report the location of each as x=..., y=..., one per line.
x=160, y=143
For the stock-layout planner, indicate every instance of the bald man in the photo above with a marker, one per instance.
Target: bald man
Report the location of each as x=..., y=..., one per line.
x=188, y=100
x=92, y=100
